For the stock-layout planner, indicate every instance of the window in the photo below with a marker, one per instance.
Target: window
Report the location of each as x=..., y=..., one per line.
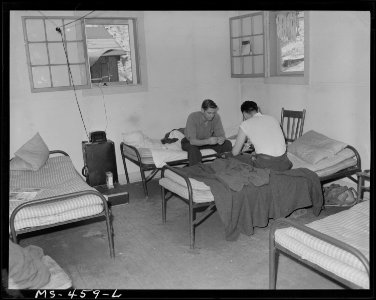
x=286, y=43
x=273, y=49
x=247, y=45
x=81, y=53
x=112, y=51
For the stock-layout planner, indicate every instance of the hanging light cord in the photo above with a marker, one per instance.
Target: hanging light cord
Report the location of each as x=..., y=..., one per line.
x=71, y=78
x=76, y=20
x=104, y=104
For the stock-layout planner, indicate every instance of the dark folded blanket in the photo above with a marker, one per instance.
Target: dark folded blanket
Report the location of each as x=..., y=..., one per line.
x=278, y=195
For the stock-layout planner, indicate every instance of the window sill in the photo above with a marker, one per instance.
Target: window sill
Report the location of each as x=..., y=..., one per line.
x=108, y=90
x=299, y=80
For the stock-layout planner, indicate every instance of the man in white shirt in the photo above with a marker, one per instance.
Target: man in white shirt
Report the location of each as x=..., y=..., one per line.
x=266, y=135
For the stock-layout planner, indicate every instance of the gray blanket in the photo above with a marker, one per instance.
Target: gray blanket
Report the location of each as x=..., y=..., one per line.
x=253, y=205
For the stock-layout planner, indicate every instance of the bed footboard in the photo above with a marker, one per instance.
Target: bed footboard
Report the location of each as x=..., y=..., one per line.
x=275, y=249
x=348, y=172
x=138, y=161
x=209, y=207
x=144, y=167
x=106, y=213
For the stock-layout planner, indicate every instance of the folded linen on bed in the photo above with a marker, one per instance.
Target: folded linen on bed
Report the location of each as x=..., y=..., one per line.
x=252, y=206
x=313, y=147
x=322, y=164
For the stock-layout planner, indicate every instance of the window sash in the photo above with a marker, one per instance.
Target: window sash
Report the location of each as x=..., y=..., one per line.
x=242, y=34
x=133, y=45
x=52, y=73
x=280, y=72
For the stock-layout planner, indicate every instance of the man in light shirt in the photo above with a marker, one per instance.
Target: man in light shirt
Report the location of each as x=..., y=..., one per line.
x=266, y=135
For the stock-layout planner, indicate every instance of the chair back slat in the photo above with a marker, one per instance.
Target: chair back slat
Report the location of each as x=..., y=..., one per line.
x=294, y=126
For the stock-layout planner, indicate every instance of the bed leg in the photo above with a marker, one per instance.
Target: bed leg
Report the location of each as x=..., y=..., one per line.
x=273, y=262
x=110, y=232
x=144, y=181
x=163, y=194
x=191, y=227
x=124, y=164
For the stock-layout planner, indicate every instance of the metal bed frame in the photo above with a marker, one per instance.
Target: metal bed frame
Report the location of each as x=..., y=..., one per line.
x=149, y=167
x=275, y=249
x=209, y=207
x=106, y=212
x=193, y=207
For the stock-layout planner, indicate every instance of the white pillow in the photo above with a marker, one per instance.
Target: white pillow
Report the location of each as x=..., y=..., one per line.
x=134, y=138
x=34, y=154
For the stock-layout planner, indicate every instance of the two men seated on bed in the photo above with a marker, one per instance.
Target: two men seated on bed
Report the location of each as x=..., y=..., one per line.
x=204, y=130
x=265, y=133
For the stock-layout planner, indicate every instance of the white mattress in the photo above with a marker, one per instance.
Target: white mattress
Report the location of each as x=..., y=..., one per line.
x=166, y=155
x=57, y=177
x=350, y=226
x=199, y=196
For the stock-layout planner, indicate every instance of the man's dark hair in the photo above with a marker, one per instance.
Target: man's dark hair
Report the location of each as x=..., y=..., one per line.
x=208, y=103
x=249, y=106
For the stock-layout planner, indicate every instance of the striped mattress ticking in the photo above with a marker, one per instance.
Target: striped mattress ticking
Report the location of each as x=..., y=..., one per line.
x=350, y=226
x=57, y=177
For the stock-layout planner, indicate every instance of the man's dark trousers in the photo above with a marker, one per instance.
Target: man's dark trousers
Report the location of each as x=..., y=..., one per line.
x=194, y=154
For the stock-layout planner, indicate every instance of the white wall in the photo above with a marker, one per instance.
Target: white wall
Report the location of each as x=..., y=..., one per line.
x=187, y=58
x=337, y=99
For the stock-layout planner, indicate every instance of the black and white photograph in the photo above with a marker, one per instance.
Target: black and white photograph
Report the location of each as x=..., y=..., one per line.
x=187, y=150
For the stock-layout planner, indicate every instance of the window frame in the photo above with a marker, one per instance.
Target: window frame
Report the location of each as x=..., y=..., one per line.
x=270, y=75
x=133, y=41
x=287, y=78
x=278, y=46
x=112, y=87
x=242, y=36
x=49, y=64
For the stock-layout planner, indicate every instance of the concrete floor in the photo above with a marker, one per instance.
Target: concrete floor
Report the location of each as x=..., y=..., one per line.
x=152, y=255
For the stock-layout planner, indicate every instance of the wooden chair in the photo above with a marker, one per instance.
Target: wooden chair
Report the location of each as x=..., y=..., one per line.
x=293, y=128
x=361, y=188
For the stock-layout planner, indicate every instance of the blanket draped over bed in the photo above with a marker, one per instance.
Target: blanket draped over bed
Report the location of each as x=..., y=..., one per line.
x=247, y=197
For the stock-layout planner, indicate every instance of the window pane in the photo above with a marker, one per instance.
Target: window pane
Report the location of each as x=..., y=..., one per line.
x=52, y=34
x=110, y=55
x=246, y=26
x=79, y=74
x=248, y=65
x=38, y=54
x=76, y=52
x=237, y=65
x=258, y=44
x=235, y=27
x=291, y=43
x=41, y=77
x=258, y=24
x=73, y=31
x=246, y=46
x=236, y=47
x=60, y=76
x=259, y=64
x=35, y=30
x=57, y=54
